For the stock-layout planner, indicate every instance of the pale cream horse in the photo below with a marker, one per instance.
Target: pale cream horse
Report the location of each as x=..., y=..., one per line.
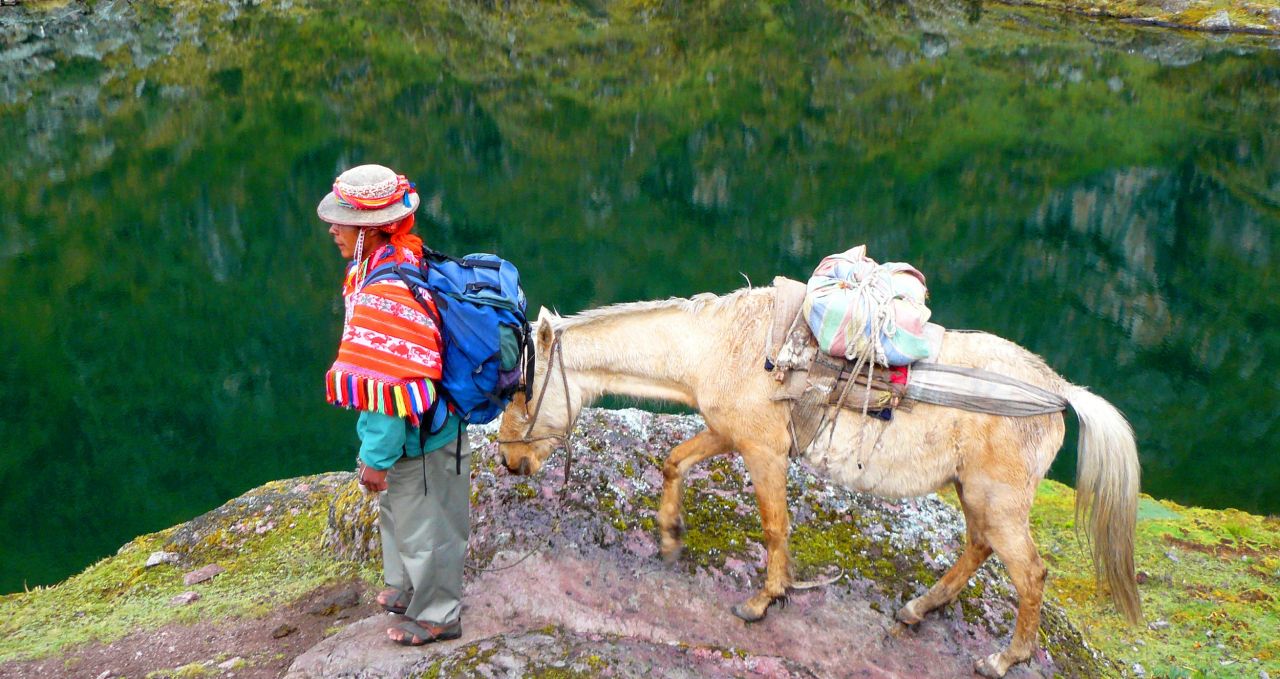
x=708, y=352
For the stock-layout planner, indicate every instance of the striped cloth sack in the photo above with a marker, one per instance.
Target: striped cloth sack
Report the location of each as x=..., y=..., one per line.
x=856, y=307
x=389, y=358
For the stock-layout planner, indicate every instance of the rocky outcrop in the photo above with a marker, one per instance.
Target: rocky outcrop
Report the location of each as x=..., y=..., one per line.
x=565, y=581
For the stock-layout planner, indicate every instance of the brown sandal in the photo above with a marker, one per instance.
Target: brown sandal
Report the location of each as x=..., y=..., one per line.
x=418, y=634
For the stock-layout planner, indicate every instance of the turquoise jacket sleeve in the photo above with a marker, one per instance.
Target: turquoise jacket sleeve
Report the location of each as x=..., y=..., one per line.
x=382, y=438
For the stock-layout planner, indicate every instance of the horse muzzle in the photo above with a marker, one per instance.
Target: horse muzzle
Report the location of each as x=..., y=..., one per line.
x=522, y=469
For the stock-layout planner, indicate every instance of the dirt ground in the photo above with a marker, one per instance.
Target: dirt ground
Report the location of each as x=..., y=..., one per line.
x=266, y=646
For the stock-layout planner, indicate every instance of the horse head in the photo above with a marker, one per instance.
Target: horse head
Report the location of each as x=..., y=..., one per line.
x=532, y=427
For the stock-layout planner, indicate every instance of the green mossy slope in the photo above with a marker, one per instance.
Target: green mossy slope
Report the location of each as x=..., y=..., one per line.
x=1210, y=581
x=268, y=540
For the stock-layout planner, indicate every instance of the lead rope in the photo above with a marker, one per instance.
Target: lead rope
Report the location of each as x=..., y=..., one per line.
x=557, y=349
x=568, y=457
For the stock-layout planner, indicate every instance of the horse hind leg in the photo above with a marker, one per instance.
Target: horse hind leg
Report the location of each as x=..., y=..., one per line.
x=948, y=587
x=703, y=445
x=1009, y=532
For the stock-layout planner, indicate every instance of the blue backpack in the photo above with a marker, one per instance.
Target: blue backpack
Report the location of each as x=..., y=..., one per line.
x=482, y=325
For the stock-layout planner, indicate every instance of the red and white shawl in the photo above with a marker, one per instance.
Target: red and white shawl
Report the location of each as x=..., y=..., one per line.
x=389, y=357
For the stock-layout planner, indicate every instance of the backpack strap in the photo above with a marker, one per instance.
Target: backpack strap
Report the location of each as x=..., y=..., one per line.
x=381, y=273
x=428, y=417
x=416, y=282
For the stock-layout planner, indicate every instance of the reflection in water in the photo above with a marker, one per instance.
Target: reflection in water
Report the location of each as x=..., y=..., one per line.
x=1128, y=210
x=1104, y=196
x=1179, y=271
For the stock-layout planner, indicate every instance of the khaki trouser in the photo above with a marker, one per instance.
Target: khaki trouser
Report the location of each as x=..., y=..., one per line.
x=425, y=530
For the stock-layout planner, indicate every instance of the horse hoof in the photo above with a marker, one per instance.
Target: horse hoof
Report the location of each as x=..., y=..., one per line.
x=741, y=611
x=899, y=630
x=671, y=556
x=907, y=616
x=987, y=667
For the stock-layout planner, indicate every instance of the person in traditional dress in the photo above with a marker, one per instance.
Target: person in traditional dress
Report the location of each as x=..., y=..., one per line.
x=412, y=451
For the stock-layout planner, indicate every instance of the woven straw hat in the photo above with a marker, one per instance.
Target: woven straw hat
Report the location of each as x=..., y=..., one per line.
x=368, y=195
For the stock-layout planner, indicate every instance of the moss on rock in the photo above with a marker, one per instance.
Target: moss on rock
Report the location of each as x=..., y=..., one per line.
x=268, y=540
x=351, y=533
x=1209, y=582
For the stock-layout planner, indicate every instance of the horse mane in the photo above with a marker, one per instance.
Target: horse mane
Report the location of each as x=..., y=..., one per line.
x=705, y=302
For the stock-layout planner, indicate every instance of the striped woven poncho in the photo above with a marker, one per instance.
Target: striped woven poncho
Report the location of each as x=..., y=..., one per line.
x=389, y=358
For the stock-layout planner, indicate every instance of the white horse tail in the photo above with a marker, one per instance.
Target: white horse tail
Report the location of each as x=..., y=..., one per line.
x=1107, y=495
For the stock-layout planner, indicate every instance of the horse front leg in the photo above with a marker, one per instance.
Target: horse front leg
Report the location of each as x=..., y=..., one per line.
x=769, y=475
x=703, y=445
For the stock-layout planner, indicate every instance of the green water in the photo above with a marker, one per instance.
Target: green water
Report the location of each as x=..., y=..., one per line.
x=1105, y=196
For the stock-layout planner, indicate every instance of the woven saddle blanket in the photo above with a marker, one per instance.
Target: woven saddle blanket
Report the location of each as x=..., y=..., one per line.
x=815, y=382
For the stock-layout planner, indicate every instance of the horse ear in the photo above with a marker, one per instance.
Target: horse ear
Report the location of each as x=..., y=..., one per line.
x=546, y=334
x=546, y=313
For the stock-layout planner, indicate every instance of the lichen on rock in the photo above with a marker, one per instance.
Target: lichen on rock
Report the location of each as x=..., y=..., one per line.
x=230, y=527
x=351, y=533
x=555, y=653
